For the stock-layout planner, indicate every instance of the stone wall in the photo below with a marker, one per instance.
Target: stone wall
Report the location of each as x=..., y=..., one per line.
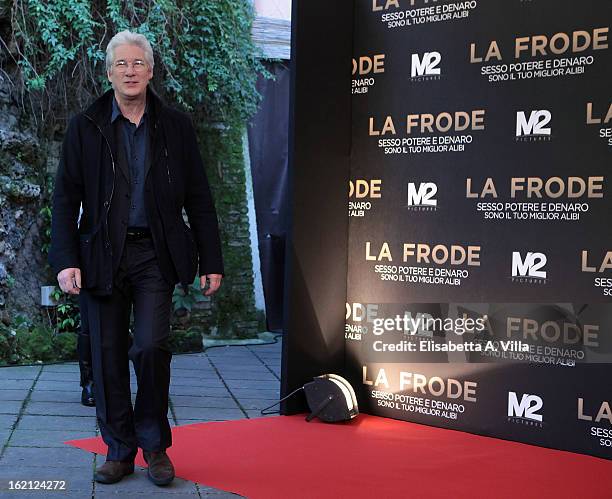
x=22, y=157
x=235, y=314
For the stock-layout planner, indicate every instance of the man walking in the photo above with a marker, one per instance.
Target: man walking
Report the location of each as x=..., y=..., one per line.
x=134, y=164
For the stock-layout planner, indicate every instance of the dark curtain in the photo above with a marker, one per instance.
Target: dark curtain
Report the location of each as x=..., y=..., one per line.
x=268, y=142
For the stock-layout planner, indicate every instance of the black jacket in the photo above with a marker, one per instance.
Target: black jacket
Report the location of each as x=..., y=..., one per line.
x=92, y=171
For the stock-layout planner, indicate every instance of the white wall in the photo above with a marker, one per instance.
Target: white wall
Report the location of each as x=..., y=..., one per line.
x=278, y=9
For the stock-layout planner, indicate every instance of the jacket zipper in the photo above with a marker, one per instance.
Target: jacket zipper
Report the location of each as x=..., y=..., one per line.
x=110, y=151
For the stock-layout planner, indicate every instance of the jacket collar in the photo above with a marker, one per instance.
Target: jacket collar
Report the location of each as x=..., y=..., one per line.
x=102, y=108
x=116, y=112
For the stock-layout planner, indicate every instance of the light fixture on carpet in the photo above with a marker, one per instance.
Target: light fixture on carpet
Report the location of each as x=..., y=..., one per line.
x=330, y=397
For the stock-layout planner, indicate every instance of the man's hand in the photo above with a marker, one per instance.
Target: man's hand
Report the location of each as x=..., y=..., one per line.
x=70, y=281
x=214, y=282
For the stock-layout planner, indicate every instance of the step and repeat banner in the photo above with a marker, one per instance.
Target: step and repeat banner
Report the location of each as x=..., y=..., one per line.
x=480, y=204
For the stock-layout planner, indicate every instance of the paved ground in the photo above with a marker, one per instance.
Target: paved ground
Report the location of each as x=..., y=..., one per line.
x=40, y=408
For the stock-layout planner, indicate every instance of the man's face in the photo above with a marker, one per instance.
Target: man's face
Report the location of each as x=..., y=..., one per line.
x=129, y=80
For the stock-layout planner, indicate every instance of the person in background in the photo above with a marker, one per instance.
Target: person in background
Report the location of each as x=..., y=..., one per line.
x=84, y=351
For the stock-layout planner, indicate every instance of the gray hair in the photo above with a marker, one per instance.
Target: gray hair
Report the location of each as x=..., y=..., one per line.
x=128, y=38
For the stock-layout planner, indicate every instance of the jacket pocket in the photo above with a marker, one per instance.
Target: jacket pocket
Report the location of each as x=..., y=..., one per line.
x=91, y=252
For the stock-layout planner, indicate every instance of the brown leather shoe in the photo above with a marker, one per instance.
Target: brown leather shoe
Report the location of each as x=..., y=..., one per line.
x=161, y=471
x=113, y=471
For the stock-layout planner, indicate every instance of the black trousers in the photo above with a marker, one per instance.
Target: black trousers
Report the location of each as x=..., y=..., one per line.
x=138, y=284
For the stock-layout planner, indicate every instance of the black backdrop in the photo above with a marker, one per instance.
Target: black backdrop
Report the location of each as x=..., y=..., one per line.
x=317, y=237
x=469, y=305
x=268, y=143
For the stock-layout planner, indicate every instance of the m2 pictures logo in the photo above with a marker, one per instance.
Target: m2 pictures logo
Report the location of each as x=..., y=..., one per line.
x=425, y=66
x=422, y=196
x=529, y=269
x=533, y=127
x=525, y=411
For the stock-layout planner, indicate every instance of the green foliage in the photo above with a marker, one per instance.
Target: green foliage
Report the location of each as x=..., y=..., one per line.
x=205, y=58
x=10, y=281
x=184, y=301
x=51, y=35
x=26, y=342
x=45, y=213
x=67, y=316
x=185, y=340
x=7, y=346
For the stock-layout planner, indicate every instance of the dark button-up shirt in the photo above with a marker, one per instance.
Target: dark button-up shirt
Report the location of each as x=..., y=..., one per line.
x=135, y=141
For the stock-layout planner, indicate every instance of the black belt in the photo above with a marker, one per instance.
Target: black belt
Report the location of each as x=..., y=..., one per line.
x=134, y=234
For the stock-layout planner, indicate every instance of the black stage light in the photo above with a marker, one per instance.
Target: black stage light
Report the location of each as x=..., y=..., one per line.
x=330, y=398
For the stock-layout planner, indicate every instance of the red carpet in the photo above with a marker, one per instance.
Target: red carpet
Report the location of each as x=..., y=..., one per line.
x=371, y=457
